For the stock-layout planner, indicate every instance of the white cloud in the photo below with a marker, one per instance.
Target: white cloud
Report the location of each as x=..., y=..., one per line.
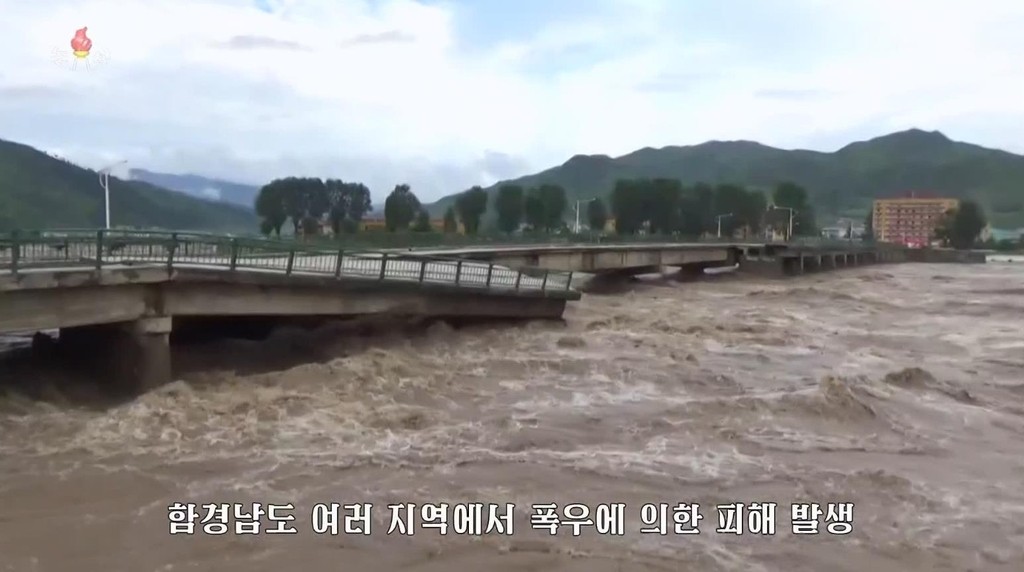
x=388, y=91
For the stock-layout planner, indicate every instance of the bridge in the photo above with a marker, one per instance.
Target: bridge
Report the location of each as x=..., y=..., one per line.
x=115, y=296
x=780, y=259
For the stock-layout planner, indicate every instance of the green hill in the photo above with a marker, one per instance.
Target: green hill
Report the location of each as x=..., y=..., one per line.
x=841, y=183
x=40, y=191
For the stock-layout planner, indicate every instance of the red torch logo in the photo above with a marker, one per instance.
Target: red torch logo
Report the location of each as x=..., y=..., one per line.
x=81, y=44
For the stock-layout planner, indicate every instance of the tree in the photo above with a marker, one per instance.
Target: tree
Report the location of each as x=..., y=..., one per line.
x=663, y=205
x=270, y=206
x=533, y=209
x=628, y=206
x=869, y=226
x=597, y=215
x=960, y=227
x=310, y=226
x=703, y=203
x=451, y=225
x=400, y=208
x=293, y=201
x=554, y=203
x=470, y=206
x=347, y=204
x=266, y=227
x=730, y=199
x=793, y=196
x=317, y=201
x=422, y=222
x=752, y=209
x=509, y=207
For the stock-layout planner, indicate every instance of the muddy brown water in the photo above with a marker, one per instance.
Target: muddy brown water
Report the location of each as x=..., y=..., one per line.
x=899, y=389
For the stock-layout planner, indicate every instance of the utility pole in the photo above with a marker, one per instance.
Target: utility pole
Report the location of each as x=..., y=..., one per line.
x=718, y=219
x=578, y=203
x=792, y=212
x=104, y=175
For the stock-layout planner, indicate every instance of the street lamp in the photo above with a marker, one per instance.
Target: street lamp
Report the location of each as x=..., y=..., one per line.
x=578, y=203
x=718, y=219
x=789, y=235
x=104, y=175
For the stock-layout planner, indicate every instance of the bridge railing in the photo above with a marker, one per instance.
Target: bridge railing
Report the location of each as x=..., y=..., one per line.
x=24, y=251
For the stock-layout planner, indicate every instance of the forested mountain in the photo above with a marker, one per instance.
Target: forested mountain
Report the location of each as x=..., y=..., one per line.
x=201, y=187
x=841, y=183
x=41, y=191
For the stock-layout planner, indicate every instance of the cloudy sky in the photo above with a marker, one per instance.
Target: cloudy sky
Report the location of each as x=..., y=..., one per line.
x=447, y=94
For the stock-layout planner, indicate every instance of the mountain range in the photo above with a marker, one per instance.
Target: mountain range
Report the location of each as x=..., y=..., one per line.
x=201, y=187
x=840, y=183
x=38, y=190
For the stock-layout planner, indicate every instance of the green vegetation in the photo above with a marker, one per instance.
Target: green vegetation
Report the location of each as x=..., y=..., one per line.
x=509, y=207
x=597, y=214
x=649, y=207
x=40, y=191
x=470, y=206
x=842, y=183
x=451, y=224
x=400, y=208
x=307, y=201
x=962, y=226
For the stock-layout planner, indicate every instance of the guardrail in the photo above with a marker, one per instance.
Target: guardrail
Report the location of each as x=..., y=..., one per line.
x=22, y=251
x=376, y=241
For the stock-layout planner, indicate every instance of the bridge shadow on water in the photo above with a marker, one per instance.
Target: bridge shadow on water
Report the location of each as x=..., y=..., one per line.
x=611, y=284
x=241, y=346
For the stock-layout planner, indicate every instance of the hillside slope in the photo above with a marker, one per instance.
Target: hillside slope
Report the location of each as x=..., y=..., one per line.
x=201, y=187
x=839, y=183
x=40, y=191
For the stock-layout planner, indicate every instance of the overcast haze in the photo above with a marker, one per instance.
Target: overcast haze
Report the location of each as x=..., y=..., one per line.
x=445, y=95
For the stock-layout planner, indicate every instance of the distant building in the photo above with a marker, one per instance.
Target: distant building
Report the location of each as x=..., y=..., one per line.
x=911, y=220
x=998, y=234
x=378, y=223
x=833, y=232
x=321, y=228
x=372, y=222
x=844, y=229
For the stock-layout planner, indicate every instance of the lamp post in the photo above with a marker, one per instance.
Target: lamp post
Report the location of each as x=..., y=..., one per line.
x=104, y=175
x=789, y=235
x=578, y=203
x=718, y=220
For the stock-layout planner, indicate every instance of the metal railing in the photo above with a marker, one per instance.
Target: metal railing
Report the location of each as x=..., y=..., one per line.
x=22, y=251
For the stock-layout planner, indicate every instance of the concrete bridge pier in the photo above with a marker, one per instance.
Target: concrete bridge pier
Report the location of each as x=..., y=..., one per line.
x=792, y=266
x=134, y=356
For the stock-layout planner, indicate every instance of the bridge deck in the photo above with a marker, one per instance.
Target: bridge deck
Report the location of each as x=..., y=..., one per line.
x=26, y=256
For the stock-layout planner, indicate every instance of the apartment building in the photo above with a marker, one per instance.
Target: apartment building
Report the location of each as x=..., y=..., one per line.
x=910, y=220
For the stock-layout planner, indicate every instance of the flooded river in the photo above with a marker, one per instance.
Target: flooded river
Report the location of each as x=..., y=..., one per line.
x=899, y=389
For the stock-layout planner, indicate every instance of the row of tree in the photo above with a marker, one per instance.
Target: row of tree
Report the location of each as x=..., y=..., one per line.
x=655, y=206
x=307, y=201
x=660, y=206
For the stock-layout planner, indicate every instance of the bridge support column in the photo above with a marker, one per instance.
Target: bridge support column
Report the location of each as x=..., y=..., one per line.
x=133, y=357
x=146, y=359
